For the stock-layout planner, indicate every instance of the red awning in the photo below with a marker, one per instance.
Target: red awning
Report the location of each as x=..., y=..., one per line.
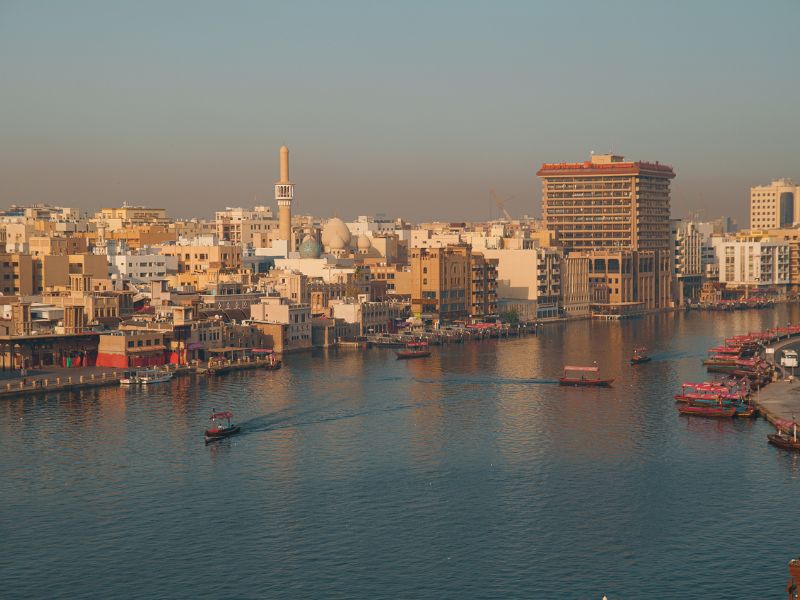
x=222, y=415
x=587, y=369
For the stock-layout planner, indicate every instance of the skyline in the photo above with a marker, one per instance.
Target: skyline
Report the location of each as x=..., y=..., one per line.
x=415, y=111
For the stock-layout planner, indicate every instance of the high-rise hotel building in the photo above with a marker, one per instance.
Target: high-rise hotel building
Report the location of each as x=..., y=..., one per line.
x=619, y=210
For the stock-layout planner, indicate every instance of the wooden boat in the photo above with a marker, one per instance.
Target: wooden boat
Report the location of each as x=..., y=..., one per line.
x=712, y=412
x=782, y=438
x=219, y=431
x=147, y=377
x=414, y=350
x=640, y=356
x=784, y=441
x=583, y=376
x=273, y=366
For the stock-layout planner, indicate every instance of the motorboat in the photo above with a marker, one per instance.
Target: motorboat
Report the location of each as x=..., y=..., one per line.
x=414, y=350
x=220, y=430
x=146, y=377
x=583, y=376
x=640, y=356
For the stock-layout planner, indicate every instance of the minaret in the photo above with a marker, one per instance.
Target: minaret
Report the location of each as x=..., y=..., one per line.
x=284, y=192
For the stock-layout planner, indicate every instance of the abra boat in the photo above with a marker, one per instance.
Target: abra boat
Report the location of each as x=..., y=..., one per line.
x=782, y=438
x=218, y=430
x=414, y=350
x=583, y=376
x=640, y=356
x=147, y=377
x=712, y=412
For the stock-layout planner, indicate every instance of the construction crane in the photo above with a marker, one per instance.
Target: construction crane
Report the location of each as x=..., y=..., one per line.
x=501, y=204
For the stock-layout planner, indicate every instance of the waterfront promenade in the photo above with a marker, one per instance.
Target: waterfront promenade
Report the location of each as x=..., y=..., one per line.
x=780, y=399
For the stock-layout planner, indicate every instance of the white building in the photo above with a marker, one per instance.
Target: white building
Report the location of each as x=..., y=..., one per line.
x=746, y=262
x=139, y=267
x=528, y=281
x=297, y=318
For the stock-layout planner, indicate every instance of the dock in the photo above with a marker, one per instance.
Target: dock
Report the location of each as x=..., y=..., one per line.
x=781, y=398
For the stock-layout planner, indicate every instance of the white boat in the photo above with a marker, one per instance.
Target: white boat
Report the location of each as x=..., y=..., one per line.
x=147, y=377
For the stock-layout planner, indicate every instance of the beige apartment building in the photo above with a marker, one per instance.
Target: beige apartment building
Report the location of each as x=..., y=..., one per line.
x=16, y=274
x=286, y=322
x=200, y=259
x=774, y=206
x=575, y=297
x=440, y=282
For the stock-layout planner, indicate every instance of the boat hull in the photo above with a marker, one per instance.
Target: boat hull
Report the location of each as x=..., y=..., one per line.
x=408, y=354
x=707, y=412
x=783, y=442
x=585, y=382
x=638, y=360
x=221, y=434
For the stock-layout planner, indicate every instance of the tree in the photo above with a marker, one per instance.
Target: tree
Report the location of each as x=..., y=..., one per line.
x=510, y=316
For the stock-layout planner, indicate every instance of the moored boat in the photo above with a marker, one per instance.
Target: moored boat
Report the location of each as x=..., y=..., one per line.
x=584, y=376
x=414, y=350
x=146, y=377
x=782, y=438
x=218, y=430
x=707, y=411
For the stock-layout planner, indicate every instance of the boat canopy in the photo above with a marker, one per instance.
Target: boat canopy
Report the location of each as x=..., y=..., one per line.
x=582, y=369
x=222, y=415
x=262, y=351
x=784, y=424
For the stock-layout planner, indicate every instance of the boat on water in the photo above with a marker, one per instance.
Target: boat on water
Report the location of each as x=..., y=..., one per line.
x=711, y=412
x=785, y=436
x=640, y=356
x=584, y=376
x=220, y=430
x=414, y=350
x=147, y=377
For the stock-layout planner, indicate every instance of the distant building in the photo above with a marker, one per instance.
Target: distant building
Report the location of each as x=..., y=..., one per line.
x=775, y=205
x=440, y=282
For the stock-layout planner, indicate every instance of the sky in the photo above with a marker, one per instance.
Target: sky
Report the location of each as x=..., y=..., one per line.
x=410, y=109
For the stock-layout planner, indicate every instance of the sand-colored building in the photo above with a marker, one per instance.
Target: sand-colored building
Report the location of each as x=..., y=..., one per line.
x=205, y=258
x=775, y=206
x=440, y=282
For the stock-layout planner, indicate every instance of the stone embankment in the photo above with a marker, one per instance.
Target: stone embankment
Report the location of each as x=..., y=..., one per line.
x=59, y=380
x=780, y=399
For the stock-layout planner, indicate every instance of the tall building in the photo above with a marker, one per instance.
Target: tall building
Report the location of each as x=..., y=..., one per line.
x=607, y=202
x=775, y=205
x=606, y=205
x=284, y=193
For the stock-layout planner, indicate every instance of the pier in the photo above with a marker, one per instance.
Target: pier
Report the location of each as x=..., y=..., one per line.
x=780, y=399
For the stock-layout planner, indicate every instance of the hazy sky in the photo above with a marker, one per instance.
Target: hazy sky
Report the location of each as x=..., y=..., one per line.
x=413, y=109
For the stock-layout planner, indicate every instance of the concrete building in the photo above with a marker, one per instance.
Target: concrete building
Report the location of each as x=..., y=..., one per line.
x=483, y=286
x=528, y=281
x=16, y=274
x=775, y=206
x=294, y=321
x=607, y=202
x=244, y=227
x=131, y=348
x=371, y=317
x=575, y=297
x=202, y=258
x=753, y=261
x=440, y=282
x=687, y=261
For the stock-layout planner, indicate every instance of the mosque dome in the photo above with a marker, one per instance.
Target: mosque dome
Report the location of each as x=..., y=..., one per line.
x=336, y=242
x=309, y=248
x=335, y=227
x=363, y=242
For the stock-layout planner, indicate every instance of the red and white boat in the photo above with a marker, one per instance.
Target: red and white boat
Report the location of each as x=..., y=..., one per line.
x=583, y=376
x=219, y=430
x=414, y=350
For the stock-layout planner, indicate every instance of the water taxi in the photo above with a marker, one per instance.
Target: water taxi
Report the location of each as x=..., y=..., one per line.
x=640, y=356
x=782, y=438
x=147, y=377
x=583, y=376
x=414, y=350
x=219, y=430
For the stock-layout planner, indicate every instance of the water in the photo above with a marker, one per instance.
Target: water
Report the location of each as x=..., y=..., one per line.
x=466, y=475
